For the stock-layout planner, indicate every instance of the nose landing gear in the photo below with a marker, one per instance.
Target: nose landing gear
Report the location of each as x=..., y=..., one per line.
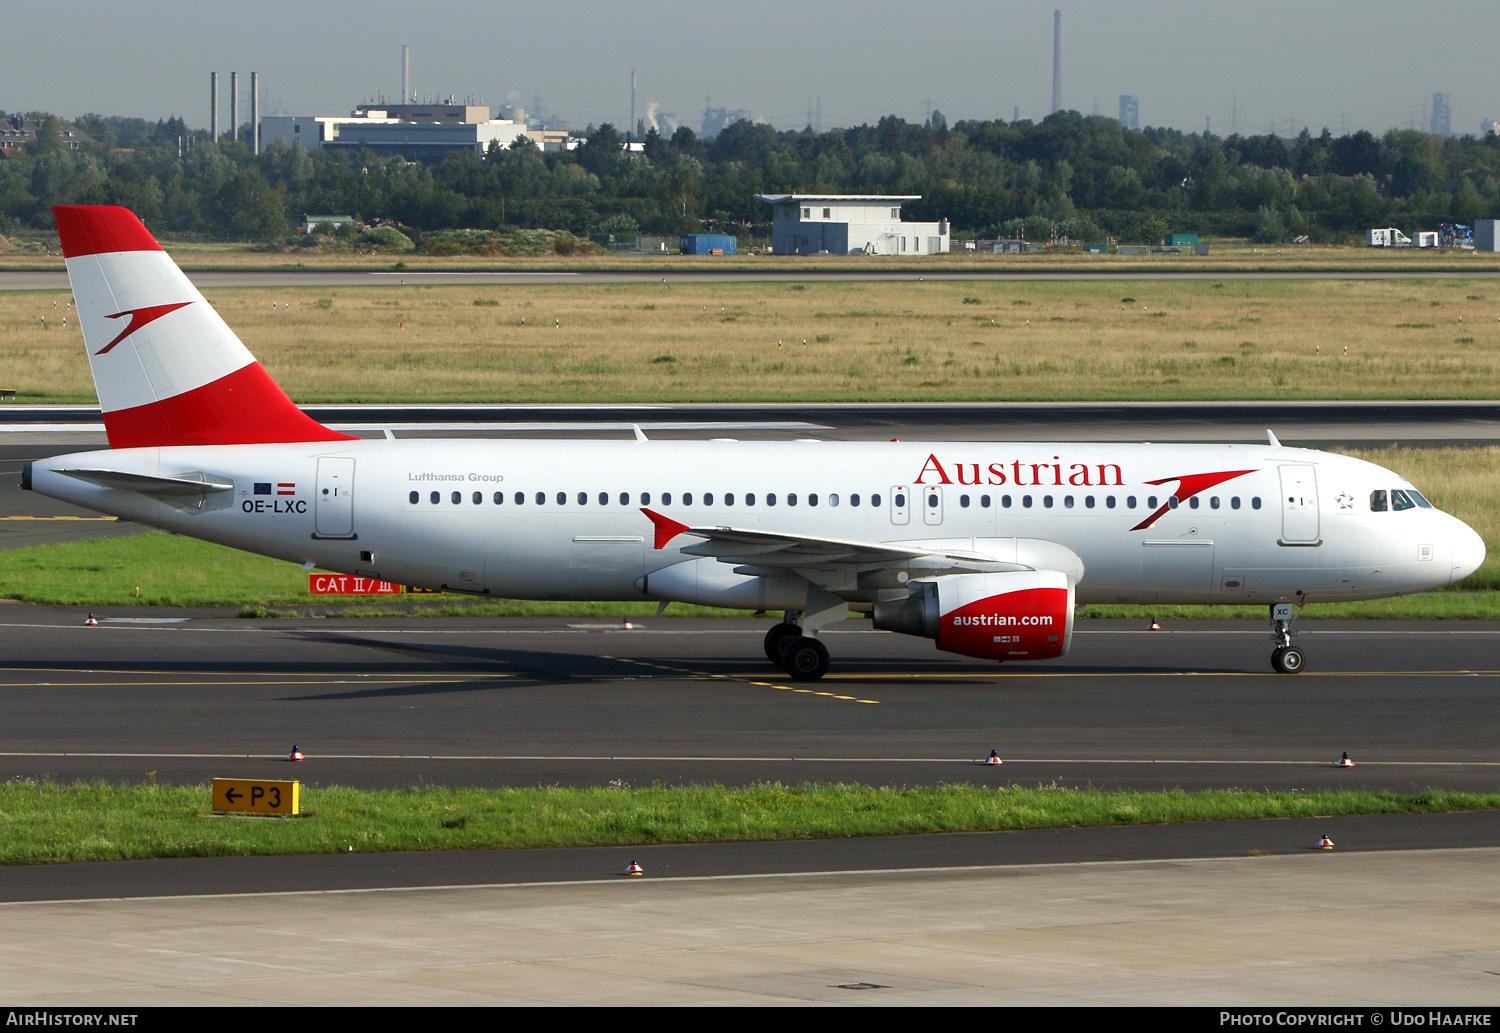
x=1285, y=658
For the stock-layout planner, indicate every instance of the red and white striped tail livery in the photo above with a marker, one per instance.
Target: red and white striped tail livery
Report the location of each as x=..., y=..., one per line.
x=168, y=370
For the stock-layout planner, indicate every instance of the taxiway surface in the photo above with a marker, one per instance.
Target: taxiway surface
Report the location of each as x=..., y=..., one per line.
x=477, y=701
x=45, y=280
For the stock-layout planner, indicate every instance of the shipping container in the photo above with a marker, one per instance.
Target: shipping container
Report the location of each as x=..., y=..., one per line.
x=706, y=243
x=1181, y=240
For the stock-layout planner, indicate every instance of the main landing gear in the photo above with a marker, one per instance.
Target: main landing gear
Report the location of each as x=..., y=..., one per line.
x=1285, y=658
x=803, y=657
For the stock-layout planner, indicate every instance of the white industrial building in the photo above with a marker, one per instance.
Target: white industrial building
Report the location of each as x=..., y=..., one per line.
x=849, y=224
x=417, y=132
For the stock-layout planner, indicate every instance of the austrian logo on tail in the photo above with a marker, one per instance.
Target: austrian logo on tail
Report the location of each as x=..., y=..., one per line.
x=139, y=317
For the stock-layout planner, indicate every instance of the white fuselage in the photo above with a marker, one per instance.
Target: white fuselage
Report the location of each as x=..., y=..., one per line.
x=1288, y=525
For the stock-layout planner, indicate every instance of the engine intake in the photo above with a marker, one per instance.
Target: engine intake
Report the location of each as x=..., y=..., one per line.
x=1015, y=615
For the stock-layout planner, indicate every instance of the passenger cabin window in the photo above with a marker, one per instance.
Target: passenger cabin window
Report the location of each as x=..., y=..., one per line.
x=1400, y=501
x=415, y=496
x=666, y=498
x=1378, y=501
x=520, y=498
x=729, y=498
x=541, y=498
x=436, y=497
x=812, y=500
x=854, y=500
x=770, y=498
x=875, y=500
x=478, y=497
x=687, y=498
x=499, y=498
x=984, y=502
x=749, y=498
x=1005, y=501
x=1234, y=503
x=562, y=498
x=458, y=497
x=1255, y=502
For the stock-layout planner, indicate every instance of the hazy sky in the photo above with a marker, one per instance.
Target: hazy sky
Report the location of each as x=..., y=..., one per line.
x=1371, y=64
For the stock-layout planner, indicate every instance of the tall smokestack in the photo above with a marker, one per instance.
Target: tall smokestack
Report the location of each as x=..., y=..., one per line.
x=1056, y=61
x=631, y=135
x=213, y=106
x=234, y=106
x=254, y=112
x=405, y=74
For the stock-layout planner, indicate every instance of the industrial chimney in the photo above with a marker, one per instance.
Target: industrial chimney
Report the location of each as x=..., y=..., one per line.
x=254, y=112
x=213, y=106
x=1056, y=61
x=405, y=74
x=234, y=106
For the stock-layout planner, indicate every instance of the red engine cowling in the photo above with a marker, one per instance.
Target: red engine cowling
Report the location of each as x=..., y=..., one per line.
x=1016, y=615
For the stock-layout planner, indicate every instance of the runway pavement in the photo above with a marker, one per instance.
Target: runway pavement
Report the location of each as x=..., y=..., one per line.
x=1207, y=913
x=206, y=280
x=478, y=701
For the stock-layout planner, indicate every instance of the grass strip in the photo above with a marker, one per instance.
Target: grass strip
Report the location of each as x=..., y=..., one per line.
x=98, y=821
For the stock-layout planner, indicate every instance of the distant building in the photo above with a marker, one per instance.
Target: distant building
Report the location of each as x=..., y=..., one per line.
x=17, y=132
x=313, y=223
x=417, y=132
x=1130, y=111
x=847, y=224
x=553, y=139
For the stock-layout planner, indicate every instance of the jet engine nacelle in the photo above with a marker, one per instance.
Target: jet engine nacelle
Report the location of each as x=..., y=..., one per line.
x=1015, y=615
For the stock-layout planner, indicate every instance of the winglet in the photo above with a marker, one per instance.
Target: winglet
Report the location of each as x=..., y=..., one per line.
x=1271, y=438
x=666, y=528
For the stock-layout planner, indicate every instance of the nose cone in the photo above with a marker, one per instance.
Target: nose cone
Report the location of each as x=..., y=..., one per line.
x=1468, y=551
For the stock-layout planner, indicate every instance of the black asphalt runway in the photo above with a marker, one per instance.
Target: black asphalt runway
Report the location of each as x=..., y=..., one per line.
x=45, y=280
x=395, y=702
x=477, y=701
x=234, y=875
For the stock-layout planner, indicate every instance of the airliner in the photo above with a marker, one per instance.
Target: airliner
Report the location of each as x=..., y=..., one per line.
x=986, y=547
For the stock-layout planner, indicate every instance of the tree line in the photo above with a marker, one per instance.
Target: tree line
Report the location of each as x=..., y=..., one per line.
x=1083, y=177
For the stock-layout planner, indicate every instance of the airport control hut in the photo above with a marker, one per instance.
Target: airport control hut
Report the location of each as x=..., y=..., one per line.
x=850, y=224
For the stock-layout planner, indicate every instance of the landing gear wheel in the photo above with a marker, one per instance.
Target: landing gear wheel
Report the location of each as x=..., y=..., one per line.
x=1287, y=660
x=777, y=637
x=806, y=659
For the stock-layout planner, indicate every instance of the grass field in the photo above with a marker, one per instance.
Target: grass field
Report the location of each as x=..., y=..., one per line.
x=932, y=341
x=168, y=570
x=44, y=822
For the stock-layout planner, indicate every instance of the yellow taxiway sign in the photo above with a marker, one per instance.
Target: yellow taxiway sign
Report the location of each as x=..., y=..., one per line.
x=256, y=796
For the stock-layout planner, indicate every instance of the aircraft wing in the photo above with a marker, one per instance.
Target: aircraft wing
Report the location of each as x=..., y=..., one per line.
x=765, y=552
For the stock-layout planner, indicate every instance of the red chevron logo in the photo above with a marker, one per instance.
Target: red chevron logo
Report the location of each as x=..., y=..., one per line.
x=1188, y=485
x=139, y=317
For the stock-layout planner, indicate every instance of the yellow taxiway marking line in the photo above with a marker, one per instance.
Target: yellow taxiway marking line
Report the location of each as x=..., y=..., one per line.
x=896, y=676
x=110, y=519
x=736, y=678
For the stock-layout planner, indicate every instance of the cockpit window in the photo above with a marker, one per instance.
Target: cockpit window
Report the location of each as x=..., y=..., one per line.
x=1400, y=501
x=1416, y=496
x=1377, y=501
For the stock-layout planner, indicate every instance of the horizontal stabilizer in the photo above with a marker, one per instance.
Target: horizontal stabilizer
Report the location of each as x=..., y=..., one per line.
x=150, y=484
